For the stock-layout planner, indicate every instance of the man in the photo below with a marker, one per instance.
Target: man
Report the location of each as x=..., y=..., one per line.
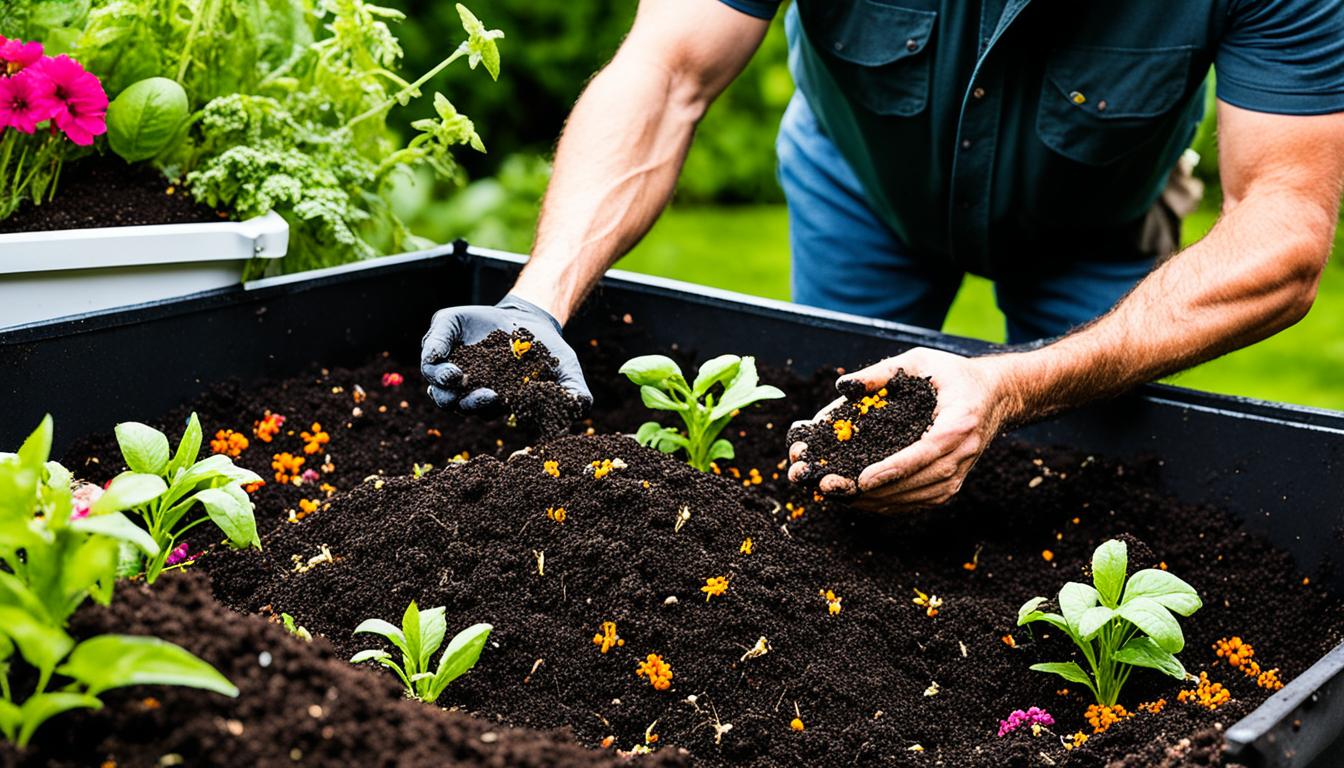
x=1026, y=140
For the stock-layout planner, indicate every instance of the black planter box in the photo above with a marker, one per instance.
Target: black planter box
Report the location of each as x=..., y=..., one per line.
x=1278, y=467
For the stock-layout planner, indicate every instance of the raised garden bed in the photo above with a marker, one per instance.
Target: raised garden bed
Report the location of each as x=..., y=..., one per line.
x=466, y=535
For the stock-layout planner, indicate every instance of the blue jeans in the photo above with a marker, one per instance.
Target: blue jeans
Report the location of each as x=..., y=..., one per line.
x=846, y=259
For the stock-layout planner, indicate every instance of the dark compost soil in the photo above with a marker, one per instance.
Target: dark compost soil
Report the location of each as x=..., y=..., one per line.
x=522, y=372
x=107, y=192
x=865, y=428
x=469, y=536
x=299, y=703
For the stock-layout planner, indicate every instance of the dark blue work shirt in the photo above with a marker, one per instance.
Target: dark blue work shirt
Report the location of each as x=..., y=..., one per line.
x=1007, y=133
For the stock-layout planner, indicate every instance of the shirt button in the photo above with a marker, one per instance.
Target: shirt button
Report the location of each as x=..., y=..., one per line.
x=839, y=46
x=978, y=93
x=911, y=45
x=965, y=143
x=1101, y=105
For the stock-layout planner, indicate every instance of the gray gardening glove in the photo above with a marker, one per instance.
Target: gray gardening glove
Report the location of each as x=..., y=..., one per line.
x=455, y=326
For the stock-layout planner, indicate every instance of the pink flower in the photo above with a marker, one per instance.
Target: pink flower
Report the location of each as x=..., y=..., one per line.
x=393, y=379
x=179, y=553
x=82, y=112
x=310, y=475
x=26, y=99
x=81, y=512
x=1033, y=716
x=16, y=54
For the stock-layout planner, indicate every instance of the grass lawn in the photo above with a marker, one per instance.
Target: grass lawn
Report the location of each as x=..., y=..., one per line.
x=746, y=249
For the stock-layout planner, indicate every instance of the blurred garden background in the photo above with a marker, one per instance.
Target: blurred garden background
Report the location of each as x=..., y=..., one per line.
x=728, y=227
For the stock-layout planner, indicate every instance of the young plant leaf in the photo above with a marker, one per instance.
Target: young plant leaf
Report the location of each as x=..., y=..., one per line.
x=230, y=508
x=127, y=491
x=461, y=655
x=410, y=628
x=1029, y=607
x=10, y=718
x=37, y=447
x=1092, y=620
x=41, y=707
x=188, y=449
x=370, y=654
x=1156, y=621
x=1109, y=563
x=721, y=449
x=655, y=399
x=715, y=370
x=115, y=661
x=144, y=447
x=1074, y=600
x=387, y=630
x=1066, y=669
x=1145, y=652
x=433, y=627
x=650, y=370
x=1165, y=589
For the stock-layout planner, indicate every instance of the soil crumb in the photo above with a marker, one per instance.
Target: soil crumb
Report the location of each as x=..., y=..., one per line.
x=523, y=373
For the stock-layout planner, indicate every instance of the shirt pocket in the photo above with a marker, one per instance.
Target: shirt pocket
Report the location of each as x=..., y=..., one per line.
x=879, y=52
x=1100, y=104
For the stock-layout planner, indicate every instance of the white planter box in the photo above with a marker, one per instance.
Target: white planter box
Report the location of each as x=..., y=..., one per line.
x=44, y=275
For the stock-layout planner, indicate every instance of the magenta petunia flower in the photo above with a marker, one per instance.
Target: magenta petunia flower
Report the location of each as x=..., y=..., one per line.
x=16, y=54
x=82, y=112
x=179, y=553
x=1033, y=716
x=26, y=99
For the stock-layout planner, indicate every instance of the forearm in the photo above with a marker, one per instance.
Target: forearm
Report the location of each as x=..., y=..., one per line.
x=1252, y=276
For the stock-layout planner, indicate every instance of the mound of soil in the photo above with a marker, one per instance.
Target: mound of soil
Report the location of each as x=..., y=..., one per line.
x=299, y=703
x=483, y=539
x=865, y=428
x=107, y=192
x=522, y=372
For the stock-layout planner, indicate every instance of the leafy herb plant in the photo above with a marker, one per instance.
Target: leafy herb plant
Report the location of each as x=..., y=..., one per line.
x=215, y=482
x=704, y=410
x=54, y=554
x=419, y=637
x=1118, y=624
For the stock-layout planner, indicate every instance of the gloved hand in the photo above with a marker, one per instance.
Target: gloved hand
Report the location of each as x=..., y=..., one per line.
x=456, y=326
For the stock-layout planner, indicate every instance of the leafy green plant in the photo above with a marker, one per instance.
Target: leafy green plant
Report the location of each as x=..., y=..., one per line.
x=293, y=628
x=54, y=555
x=663, y=388
x=1118, y=624
x=419, y=637
x=215, y=482
x=286, y=109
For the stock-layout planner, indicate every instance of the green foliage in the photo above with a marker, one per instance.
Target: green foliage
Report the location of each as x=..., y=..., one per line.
x=162, y=486
x=663, y=388
x=419, y=637
x=53, y=557
x=1118, y=624
x=288, y=104
x=293, y=628
x=145, y=118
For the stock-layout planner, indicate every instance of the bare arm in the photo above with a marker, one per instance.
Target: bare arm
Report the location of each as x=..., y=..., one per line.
x=623, y=147
x=1253, y=275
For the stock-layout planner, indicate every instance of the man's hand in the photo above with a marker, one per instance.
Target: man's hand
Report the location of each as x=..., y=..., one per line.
x=456, y=326
x=973, y=405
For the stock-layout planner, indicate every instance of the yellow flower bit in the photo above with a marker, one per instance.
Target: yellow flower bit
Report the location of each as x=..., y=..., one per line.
x=832, y=601
x=797, y=722
x=1009, y=641
x=1206, y=693
x=1047, y=555
x=1236, y=653
x=314, y=440
x=657, y=671
x=714, y=585
x=872, y=401
x=746, y=546
x=604, y=467
x=1101, y=717
x=930, y=603
x=795, y=510
x=1153, y=707
x=753, y=478
x=1075, y=741
x=551, y=468
x=556, y=513
x=461, y=458
x=328, y=489
x=520, y=347
x=229, y=443
x=1269, y=680
x=844, y=429
x=607, y=638
x=975, y=560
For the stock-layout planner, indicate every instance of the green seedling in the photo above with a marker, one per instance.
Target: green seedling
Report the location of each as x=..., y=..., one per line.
x=419, y=637
x=704, y=410
x=215, y=482
x=55, y=554
x=294, y=629
x=1118, y=624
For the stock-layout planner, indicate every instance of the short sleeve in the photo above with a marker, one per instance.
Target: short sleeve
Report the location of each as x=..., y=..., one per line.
x=761, y=9
x=1283, y=56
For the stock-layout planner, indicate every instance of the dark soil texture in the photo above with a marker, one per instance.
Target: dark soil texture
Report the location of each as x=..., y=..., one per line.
x=469, y=536
x=300, y=704
x=108, y=192
x=522, y=372
x=865, y=428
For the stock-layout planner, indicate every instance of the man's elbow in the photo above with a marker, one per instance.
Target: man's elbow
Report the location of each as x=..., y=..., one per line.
x=1302, y=279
